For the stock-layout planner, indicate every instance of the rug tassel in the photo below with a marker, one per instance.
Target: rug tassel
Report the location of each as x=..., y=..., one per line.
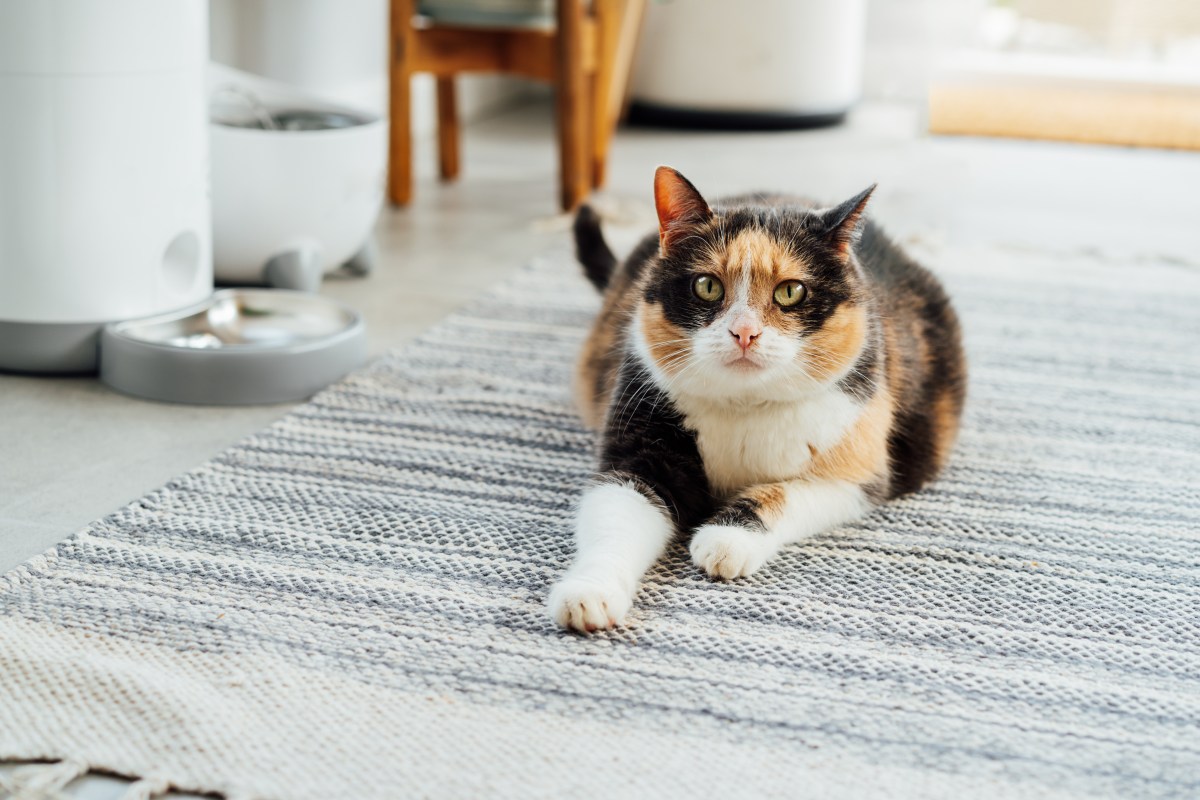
x=45, y=781
x=146, y=788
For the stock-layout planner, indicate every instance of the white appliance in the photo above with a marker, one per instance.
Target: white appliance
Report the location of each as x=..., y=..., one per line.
x=104, y=201
x=291, y=203
x=755, y=60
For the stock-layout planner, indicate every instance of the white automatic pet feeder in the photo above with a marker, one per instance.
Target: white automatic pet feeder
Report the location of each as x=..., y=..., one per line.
x=106, y=257
x=104, y=211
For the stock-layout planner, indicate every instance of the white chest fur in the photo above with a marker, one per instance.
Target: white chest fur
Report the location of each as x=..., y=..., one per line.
x=746, y=444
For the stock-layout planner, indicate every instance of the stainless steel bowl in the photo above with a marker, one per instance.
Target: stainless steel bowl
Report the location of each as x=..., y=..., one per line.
x=241, y=346
x=246, y=318
x=288, y=119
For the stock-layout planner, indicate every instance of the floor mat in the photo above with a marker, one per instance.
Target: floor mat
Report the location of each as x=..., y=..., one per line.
x=351, y=603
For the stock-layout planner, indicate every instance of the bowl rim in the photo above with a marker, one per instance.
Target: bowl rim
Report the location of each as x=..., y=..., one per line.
x=120, y=329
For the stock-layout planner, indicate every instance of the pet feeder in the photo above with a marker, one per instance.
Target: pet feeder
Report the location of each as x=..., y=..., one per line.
x=104, y=208
x=105, y=252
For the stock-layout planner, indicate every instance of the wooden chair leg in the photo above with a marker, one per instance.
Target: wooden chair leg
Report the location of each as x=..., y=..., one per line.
x=618, y=23
x=572, y=106
x=607, y=13
x=448, y=137
x=399, y=180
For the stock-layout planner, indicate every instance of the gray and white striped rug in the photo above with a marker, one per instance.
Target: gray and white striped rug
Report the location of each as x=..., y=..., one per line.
x=351, y=602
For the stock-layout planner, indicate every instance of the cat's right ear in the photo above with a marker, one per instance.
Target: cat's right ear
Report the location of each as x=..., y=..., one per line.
x=679, y=205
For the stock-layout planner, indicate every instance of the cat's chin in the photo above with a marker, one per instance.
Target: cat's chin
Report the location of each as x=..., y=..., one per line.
x=743, y=364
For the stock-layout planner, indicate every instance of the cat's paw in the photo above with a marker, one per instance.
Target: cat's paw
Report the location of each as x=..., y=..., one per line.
x=729, y=551
x=586, y=603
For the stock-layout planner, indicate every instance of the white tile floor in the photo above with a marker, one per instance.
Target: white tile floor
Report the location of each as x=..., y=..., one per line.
x=72, y=451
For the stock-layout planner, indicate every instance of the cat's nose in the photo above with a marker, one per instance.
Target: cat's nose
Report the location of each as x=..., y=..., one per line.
x=746, y=332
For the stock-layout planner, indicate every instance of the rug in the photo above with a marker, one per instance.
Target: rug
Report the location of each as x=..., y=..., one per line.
x=351, y=603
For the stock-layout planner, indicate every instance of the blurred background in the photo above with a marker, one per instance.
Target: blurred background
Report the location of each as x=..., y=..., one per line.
x=907, y=46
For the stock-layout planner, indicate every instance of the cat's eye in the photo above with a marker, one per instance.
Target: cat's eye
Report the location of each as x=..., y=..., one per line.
x=790, y=293
x=708, y=288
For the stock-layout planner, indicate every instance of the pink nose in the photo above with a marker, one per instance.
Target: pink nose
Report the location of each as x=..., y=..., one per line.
x=745, y=333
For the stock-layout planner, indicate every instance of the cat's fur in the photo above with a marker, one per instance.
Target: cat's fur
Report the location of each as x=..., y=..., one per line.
x=747, y=422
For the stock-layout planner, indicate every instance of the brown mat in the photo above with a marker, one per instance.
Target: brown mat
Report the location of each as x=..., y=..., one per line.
x=1141, y=118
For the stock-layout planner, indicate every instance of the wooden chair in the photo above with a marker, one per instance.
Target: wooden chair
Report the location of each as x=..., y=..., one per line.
x=586, y=57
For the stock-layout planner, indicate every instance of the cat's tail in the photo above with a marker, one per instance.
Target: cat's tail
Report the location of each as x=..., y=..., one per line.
x=591, y=249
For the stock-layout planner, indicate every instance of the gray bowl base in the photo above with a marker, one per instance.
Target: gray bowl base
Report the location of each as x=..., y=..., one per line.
x=239, y=347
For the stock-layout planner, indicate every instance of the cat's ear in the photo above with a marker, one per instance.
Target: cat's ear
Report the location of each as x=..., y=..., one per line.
x=678, y=203
x=844, y=221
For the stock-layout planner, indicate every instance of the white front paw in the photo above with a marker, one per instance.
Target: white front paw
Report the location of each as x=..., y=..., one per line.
x=729, y=551
x=589, y=603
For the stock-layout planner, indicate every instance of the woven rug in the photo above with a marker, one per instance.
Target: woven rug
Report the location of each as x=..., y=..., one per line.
x=350, y=604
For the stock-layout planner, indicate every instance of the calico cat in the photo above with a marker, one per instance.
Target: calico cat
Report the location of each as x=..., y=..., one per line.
x=761, y=371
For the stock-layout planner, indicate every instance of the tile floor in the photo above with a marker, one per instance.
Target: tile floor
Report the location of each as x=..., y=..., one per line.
x=72, y=451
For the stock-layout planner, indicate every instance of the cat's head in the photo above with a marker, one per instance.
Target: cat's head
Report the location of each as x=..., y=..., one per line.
x=751, y=300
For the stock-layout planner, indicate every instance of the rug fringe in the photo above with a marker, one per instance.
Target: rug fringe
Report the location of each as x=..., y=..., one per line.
x=45, y=781
x=146, y=788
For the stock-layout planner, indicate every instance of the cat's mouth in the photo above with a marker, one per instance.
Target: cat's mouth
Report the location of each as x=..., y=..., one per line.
x=743, y=363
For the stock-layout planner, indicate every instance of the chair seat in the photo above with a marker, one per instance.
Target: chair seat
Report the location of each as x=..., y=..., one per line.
x=490, y=13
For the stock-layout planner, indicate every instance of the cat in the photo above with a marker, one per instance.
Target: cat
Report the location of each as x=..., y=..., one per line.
x=761, y=371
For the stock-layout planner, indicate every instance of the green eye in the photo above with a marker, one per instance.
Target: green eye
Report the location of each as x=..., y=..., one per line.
x=708, y=289
x=790, y=293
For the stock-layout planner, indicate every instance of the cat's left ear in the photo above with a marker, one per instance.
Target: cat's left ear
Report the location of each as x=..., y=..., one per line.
x=844, y=221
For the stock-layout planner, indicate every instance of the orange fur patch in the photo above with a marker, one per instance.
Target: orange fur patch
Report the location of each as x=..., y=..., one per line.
x=894, y=369
x=596, y=370
x=668, y=344
x=758, y=252
x=769, y=264
x=592, y=382
x=770, y=499
x=861, y=456
x=946, y=415
x=836, y=346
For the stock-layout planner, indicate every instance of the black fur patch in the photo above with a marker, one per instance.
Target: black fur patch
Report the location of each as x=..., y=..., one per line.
x=742, y=512
x=619, y=478
x=908, y=293
x=590, y=248
x=876, y=491
x=911, y=450
x=645, y=438
x=643, y=254
x=671, y=285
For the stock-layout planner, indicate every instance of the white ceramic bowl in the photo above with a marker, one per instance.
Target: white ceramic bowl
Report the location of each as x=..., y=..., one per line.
x=290, y=205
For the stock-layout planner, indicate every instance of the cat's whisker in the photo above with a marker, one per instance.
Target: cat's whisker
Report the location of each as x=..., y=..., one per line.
x=631, y=404
x=671, y=343
x=678, y=377
x=828, y=366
